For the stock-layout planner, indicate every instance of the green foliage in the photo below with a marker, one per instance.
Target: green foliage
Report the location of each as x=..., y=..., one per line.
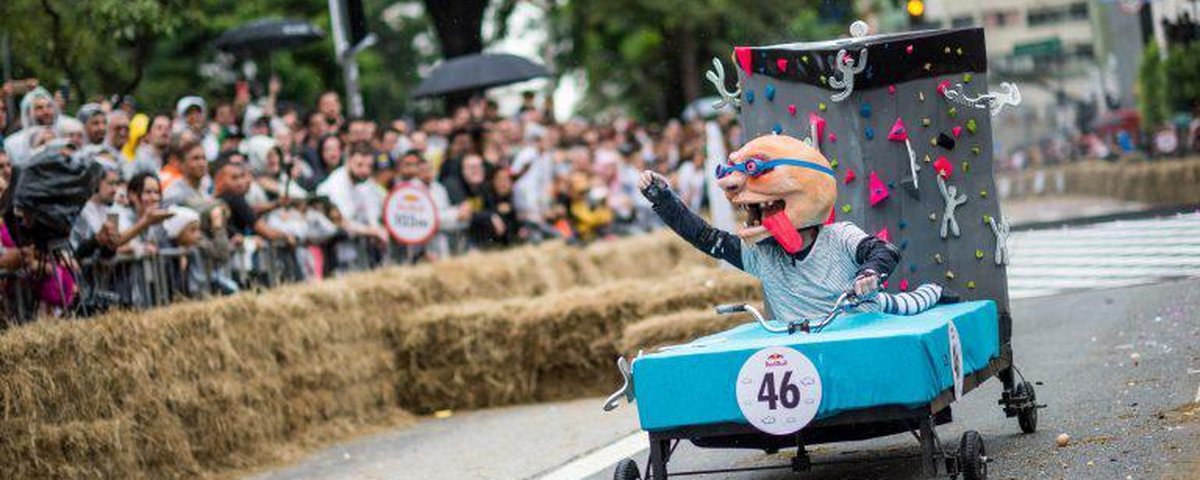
x=1151, y=97
x=1181, y=71
x=649, y=57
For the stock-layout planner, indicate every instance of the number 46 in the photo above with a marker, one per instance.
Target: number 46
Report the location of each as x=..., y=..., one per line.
x=788, y=393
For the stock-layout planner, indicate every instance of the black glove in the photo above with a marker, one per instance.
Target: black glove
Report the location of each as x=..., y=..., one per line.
x=657, y=191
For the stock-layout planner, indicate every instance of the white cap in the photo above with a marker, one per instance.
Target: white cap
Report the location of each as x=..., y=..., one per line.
x=182, y=217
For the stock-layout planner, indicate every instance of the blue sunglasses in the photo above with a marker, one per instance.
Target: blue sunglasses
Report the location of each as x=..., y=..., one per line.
x=755, y=167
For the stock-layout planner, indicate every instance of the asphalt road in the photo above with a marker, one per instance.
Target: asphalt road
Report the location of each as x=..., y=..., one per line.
x=1126, y=419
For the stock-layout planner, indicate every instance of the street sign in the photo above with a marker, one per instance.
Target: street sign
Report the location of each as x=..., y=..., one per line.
x=1050, y=47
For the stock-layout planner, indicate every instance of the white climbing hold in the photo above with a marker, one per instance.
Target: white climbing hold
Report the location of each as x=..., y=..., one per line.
x=717, y=77
x=848, y=68
x=953, y=201
x=1001, y=230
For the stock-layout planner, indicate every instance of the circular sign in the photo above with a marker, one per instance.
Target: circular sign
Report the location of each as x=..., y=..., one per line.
x=956, y=359
x=778, y=390
x=410, y=214
x=1166, y=141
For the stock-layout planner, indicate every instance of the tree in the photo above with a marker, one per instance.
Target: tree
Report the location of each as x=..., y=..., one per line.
x=1151, y=96
x=1181, y=74
x=649, y=56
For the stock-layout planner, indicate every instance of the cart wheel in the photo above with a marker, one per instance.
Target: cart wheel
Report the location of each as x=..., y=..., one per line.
x=627, y=469
x=972, y=458
x=1027, y=417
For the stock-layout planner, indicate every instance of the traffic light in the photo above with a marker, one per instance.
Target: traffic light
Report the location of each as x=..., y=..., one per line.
x=916, y=11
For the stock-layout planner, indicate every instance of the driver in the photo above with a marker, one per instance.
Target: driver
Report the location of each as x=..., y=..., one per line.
x=786, y=190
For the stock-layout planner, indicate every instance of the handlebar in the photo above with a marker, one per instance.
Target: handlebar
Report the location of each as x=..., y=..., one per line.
x=742, y=307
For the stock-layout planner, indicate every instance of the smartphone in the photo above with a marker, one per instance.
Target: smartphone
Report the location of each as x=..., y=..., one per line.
x=113, y=219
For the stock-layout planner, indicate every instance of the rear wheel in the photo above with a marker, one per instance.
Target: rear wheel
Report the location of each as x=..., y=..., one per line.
x=1027, y=417
x=972, y=457
x=627, y=469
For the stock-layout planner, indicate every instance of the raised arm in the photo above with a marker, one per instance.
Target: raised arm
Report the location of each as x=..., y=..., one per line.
x=716, y=243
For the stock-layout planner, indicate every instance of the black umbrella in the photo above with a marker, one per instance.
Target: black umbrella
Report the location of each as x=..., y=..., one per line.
x=478, y=72
x=266, y=35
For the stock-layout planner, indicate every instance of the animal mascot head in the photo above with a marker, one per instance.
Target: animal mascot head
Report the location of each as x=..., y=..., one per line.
x=782, y=184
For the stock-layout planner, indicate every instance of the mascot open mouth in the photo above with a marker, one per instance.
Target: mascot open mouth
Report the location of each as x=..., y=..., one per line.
x=771, y=217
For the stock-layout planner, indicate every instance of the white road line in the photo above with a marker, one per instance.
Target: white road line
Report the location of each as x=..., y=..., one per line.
x=601, y=459
x=1197, y=400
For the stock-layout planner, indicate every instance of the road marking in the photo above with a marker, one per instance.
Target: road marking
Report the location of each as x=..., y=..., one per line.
x=1197, y=400
x=601, y=459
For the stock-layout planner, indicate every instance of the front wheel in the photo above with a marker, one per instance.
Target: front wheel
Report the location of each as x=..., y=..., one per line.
x=972, y=457
x=627, y=469
x=1027, y=417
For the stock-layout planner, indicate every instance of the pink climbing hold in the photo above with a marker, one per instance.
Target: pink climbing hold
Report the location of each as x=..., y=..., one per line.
x=891, y=89
x=832, y=137
x=782, y=64
x=884, y=235
x=957, y=131
x=878, y=191
x=903, y=284
x=816, y=121
x=792, y=109
x=943, y=167
x=743, y=59
x=898, y=133
x=850, y=176
x=942, y=87
x=908, y=49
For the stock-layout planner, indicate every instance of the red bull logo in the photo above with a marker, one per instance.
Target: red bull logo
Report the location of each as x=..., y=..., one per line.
x=775, y=360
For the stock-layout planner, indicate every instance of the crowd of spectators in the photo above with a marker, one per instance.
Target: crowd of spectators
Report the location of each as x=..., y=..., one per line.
x=232, y=192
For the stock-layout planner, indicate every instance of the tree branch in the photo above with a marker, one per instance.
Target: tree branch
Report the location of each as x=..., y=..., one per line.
x=60, y=52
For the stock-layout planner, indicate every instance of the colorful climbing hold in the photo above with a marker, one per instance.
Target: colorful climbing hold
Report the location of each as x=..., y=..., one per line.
x=966, y=166
x=926, y=158
x=902, y=224
x=972, y=126
x=967, y=78
x=945, y=141
x=816, y=125
x=921, y=96
x=925, y=122
x=983, y=193
x=744, y=60
x=781, y=63
x=904, y=244
x=877, y=191
x=928, y=66
x=933, y=216
x=912, y=267
x=943, y=167
x=978, y=254
x=822, y=79
x=884, y=235
x=903, y=284
x=898, y=132
x=804, y=59
x=908, y=49
x=821, y=106
x=870, y=133
x=832, y=137
x=778, y=129
x=956, y=131
x=769, y=92
x=987, y=219
x=891, y=89
x=949, y=274
x=942, y=86
x=975, y=150
x=970, y=285
x=937, y=257
x=946, y=50
x=959, y=51
x=850, y=176
x=749, y=96
x=865, y=110
x=791, y=109
x=833, y=163
x=847, y=208
x=952, y=112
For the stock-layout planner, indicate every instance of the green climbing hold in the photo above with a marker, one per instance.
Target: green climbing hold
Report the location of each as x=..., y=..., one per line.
x=833, y=162
x=847, y=208
x=926, y=158
x=933, y=142
x=804, y=59
x=966, y=167
x=949, y=274
x=946, y=50
x=987, y=219
x=970, y=285
x=971, y=126
x=983, y=193
x=952, y=112
x=959, y=51
x=975, y=150
x=822, y=79
x=967, y=78
x=978, y=254
x=821, y=106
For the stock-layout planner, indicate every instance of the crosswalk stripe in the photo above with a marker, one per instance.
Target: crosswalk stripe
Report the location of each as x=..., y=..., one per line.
x=1107, y=255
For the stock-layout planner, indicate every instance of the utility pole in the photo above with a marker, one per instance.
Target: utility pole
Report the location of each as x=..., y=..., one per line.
x=345, y=54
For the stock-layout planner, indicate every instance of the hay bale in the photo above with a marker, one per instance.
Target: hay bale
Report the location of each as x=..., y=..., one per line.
x=676, y=328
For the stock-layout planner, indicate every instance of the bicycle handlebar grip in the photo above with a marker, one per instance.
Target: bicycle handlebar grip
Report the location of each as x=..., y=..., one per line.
x=730, y=308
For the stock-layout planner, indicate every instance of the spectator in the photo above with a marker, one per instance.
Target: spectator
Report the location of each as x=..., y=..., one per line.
x=348, y=190
x=152, y=148
x=192, y=116
x=231, y=183
x=70, y=129
x=39, y=113
x=192, y=184
x=95, y=123
x=452, y=218
x=140, y=226
x=118, y=135
x=330, y=159
x=95, y=232
x=330, y=106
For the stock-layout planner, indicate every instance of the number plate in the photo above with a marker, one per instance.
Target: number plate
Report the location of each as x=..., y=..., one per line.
x=779, y=390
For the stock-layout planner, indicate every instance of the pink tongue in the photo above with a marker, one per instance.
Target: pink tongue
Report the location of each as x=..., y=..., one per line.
x=784, y=232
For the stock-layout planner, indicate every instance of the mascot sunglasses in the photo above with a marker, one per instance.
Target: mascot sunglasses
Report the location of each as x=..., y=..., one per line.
x=757, y=166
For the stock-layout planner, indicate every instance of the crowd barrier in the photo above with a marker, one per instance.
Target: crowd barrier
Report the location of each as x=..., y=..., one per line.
x=167, y=275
